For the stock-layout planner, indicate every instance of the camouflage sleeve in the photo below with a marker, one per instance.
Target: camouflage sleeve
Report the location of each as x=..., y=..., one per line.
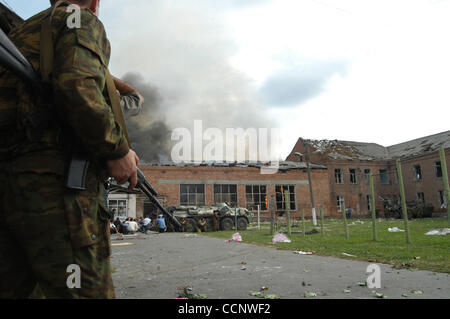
x=81, y=59
x=131, y=104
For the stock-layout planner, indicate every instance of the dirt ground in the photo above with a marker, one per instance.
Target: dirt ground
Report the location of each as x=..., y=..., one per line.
x=157, y=266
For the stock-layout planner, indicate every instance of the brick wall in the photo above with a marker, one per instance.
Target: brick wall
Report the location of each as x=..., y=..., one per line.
x=167, y=179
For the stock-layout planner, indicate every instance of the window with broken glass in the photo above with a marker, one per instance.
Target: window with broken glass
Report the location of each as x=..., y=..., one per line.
x=441, y=199
x=367, y=172
x=192, y=194
x=280, y=197
x=369, y=203
x=421, y=198
x=255, y=195
x=338, y=176
x=417, y=173
x=353, y=177
x=340, y=203
x=225, y=194
x=384, y=178
x=438, y=169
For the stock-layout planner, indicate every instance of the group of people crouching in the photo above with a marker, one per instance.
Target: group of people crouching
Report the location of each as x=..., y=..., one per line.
x=132, y=226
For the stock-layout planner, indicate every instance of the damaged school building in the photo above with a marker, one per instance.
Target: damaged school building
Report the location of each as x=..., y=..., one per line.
x=339, y=174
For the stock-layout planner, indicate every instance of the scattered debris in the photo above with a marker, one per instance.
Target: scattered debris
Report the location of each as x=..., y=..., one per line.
x=312, y=232
x=235, y=238
x=445, y=231
x=349, y=255
x=380, y=295
x=261, y=294
x=242, y=263
x=395, y=230
x=280, y=238
x=122, y=244
x=417, y=292
x=356, y=222
x=187, y=295
x=303, y=252
x=309, y=294
x=362, y=284
x=190, y=235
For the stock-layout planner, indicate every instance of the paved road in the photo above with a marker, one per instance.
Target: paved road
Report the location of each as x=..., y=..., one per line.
x=155, y=267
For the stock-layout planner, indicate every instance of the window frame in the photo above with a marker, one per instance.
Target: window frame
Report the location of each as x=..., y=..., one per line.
x=339, y=202
x=341, y=176
x=292, y=198
x=222, y=193
x=252, y=205
x=353, y=176
x=385, y=173
x=418, y=176
x=189, y=194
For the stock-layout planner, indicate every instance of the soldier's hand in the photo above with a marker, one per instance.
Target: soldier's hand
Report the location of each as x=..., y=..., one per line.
x=125, y=169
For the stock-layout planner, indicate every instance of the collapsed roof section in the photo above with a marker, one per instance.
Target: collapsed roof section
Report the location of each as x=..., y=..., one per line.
x=282, y=165
x=348, y=150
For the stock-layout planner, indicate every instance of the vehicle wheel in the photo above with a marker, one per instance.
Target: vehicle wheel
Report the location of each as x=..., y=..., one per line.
x=210, y=224
x=242, y=223
x=227, y=223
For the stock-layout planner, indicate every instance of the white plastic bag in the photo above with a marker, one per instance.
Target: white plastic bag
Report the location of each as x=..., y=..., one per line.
x=395, y=230
x=280, y=238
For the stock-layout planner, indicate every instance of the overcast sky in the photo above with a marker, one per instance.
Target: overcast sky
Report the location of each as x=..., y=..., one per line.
x=368, y=71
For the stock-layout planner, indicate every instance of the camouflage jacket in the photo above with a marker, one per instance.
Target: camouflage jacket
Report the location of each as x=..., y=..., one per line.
x=81, y=105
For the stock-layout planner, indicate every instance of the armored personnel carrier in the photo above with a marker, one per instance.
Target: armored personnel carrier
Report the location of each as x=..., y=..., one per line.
x=211, y=218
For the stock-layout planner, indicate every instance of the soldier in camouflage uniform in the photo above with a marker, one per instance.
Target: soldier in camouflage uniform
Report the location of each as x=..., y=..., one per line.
x=45, y=226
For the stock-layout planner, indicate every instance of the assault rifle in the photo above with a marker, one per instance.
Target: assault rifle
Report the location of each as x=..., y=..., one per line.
x=13, y=60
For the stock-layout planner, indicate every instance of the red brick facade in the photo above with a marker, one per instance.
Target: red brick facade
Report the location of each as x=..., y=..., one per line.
x=355, y=194
x=167, y=180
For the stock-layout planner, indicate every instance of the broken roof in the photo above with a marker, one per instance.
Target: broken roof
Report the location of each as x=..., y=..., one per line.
x=371, y=151
x=282, y=165
x=420, y=146
x=349, y=150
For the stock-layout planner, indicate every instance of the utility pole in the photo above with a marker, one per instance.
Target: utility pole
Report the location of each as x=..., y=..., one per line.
x=372, y=206
x=402, y=195
x=287, y=203
x=445, y=180
x=308, y=166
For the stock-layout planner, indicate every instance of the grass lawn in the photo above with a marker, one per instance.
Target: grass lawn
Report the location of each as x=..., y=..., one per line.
x=425, y=251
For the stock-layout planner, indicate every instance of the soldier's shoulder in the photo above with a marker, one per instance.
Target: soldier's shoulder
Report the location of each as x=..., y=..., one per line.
x=90, y=34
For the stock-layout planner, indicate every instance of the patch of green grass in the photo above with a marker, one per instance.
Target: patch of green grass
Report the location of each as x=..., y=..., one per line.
x=425, y=252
